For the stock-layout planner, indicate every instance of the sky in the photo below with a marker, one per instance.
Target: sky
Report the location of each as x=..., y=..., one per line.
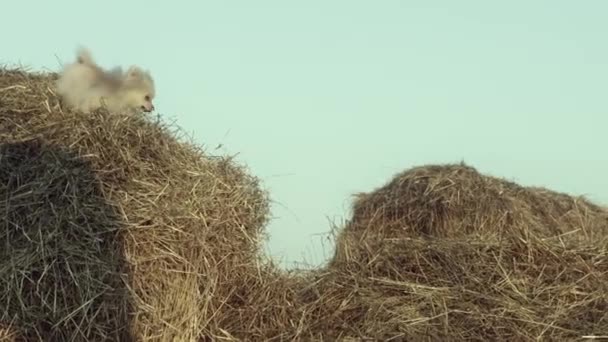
x=323, y=99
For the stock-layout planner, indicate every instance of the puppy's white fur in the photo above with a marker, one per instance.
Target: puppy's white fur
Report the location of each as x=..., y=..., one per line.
x=85, y=86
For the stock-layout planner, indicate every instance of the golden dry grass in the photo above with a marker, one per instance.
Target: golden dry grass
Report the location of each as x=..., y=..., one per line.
x=447, y=253
x=105, y=213
x=115, y=227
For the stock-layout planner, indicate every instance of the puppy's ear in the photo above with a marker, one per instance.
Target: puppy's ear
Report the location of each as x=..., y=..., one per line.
x=83, y=56
x=134, y=73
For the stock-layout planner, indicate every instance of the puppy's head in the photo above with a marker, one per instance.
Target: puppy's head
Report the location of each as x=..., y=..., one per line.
x=139, y=89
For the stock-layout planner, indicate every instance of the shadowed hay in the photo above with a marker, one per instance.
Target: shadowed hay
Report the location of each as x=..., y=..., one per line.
x=115, y=230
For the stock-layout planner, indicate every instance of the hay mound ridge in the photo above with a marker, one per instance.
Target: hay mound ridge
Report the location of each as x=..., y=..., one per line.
x=116, y=228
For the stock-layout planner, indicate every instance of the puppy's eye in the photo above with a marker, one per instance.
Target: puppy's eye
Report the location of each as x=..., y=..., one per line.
x=147, y=98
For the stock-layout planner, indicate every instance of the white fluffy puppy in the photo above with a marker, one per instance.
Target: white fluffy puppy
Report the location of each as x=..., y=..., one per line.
x=85, y=86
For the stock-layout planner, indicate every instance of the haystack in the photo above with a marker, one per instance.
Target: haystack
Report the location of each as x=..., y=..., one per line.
x=443, y=252
x=115, y=227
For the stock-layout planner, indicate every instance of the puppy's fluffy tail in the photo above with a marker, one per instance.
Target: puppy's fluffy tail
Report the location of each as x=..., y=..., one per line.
x=83, y=56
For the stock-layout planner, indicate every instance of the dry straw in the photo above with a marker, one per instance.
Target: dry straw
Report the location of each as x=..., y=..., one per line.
x=447, y=253
x=116, y=228
x=111, y=226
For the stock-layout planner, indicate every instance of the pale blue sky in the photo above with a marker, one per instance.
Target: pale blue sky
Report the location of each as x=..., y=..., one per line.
x=322, y=99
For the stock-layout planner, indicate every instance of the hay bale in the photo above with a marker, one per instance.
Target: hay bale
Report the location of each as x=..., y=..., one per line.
x=456, y=200
x=115, y=228
x=443, y=252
